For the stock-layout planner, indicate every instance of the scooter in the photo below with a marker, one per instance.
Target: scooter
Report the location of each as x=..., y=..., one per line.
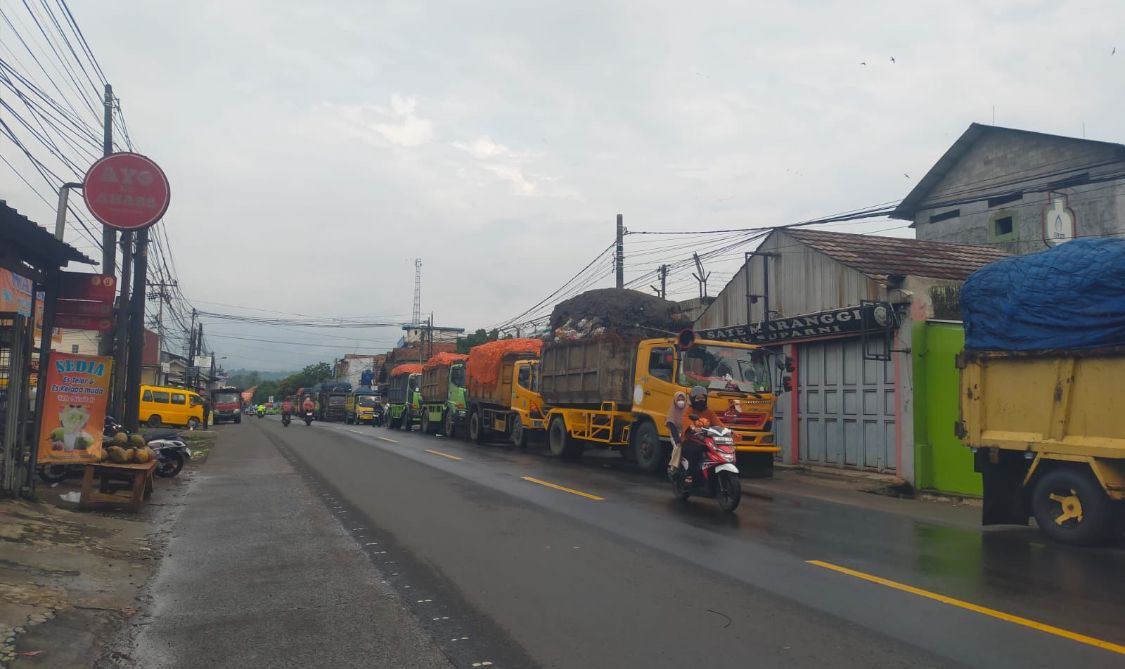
x=716, y=475
x=378, y=415
x=308, y=418
x=285, y=419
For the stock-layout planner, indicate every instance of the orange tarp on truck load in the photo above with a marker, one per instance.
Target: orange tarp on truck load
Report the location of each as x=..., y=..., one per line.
x=486, y=360
x=412, y=368
x=444, y=360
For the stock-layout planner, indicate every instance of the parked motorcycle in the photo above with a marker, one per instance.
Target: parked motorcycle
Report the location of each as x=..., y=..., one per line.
x=171, y=451
x=308, y=418
x=715, y=475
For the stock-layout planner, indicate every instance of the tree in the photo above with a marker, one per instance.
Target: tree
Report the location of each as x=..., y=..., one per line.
x=479, y=337
x=264, y=390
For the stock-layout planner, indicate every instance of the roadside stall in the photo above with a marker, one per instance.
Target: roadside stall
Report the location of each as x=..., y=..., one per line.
x=31, y=276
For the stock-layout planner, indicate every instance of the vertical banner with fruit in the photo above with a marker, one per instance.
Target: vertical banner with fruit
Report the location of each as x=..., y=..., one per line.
x=77, y=389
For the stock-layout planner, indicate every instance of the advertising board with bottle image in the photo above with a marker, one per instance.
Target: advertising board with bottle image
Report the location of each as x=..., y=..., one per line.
x=77, y=390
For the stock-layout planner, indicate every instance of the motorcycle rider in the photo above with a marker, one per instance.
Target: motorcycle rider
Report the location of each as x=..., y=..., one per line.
x=308, y=405
x=286, y=408
x=699, y=416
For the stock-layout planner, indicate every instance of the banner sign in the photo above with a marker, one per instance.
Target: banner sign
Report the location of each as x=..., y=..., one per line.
x=83, y=308
x=15, y=293
x=83, y=286
x=833, y=323
x=72, y=322
x=77, y=389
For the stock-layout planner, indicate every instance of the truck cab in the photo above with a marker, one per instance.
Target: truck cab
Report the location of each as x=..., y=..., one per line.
x=527, y=403
x=739, y=389
x=359, y=407
x=226, y=405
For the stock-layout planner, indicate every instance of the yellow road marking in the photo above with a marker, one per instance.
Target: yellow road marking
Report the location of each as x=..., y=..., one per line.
x=564, y=489
x=1006, y=617
x=389, y=441
x=444, y=455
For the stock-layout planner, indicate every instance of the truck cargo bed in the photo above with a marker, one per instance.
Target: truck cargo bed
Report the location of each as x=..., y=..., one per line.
x=587, y=373
x=1062, y=401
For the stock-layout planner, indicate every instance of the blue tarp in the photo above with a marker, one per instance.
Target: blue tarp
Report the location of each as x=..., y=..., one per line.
x=1071, y=296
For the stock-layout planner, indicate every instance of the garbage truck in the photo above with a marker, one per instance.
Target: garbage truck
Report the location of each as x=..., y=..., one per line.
x=614, y=392
x=503, y=391
x=1040, y=391
x=404, y=397
x=443, y=394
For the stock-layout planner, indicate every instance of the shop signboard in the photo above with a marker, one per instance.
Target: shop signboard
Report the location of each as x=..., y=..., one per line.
x=74, y=405
x=823, y=324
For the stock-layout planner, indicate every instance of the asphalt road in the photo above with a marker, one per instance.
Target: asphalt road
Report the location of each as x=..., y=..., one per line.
x=610, y=571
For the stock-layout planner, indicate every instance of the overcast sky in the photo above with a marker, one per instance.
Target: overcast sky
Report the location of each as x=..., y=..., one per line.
x=315, y=148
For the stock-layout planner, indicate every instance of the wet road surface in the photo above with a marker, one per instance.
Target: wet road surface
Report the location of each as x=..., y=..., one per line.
x=592, y=564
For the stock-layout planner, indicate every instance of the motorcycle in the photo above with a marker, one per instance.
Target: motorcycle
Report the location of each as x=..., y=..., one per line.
x=378, y=414
x=308, y=418
x=171, y=451
x=715, y=475
x=285, y=419
x=261, y=413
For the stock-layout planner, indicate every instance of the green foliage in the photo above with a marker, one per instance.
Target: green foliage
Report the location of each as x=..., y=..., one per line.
x=479, y=337
x=264, y=390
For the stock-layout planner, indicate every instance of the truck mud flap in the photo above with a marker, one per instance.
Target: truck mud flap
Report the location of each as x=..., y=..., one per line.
x=1005, y=500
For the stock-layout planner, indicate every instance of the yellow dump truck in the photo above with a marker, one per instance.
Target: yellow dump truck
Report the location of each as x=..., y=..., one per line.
x=1048, y=432
x=615, y=393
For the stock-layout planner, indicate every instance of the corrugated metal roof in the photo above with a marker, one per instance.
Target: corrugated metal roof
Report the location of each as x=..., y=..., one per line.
x=21, y=233
x=879, y=257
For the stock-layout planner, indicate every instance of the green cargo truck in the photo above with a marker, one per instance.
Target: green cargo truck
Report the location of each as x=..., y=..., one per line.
x=443, y=394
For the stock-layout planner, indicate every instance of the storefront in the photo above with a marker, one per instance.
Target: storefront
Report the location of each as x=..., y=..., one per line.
x=841, y=307
x=30, y=263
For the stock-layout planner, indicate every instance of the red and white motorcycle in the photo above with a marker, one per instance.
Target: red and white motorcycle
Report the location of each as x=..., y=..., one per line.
x=715, y=475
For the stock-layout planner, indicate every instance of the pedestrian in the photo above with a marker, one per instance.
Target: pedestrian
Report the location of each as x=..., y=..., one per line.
x=206, y=414
x=674, y=421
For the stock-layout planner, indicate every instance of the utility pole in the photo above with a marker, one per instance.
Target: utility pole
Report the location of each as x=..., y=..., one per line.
x=662, y=291
x=701, y=277
x=109, y=237
x=121, y=328
x=620, y=251
x=161, y=294
x=136, y=330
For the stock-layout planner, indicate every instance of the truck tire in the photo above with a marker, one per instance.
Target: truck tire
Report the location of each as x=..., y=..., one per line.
x=519, y=434
x=1071, y=507
x=450, y=427
x=562, y=445
x=649, y=450
x=477, y=432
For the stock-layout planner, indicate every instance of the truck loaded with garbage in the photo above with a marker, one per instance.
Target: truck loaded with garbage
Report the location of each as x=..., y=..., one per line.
x=1040, y=381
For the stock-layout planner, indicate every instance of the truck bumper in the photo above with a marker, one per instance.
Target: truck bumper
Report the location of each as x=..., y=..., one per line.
x=754, y=442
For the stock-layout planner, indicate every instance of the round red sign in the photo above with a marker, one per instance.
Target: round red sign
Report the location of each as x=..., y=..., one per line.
x=126, y=191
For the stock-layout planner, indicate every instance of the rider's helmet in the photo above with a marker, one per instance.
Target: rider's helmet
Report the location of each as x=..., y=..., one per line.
x=698, y=398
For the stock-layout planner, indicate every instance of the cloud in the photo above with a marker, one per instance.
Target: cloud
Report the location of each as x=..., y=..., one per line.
x=397, y=124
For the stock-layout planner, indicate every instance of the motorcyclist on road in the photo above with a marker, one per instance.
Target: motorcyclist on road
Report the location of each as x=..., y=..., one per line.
x=308, y=405
x=261, y=410
x=286, y=408
x=698, y=416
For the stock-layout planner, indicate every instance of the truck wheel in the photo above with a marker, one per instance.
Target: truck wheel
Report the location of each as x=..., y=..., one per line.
x=476, y=427
x=450, y=427
x=649, y=449
x=1071, y=507
x=519, y=435
x=562, y=445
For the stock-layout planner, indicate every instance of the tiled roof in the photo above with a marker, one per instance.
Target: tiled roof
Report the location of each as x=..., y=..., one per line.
x=879, y=257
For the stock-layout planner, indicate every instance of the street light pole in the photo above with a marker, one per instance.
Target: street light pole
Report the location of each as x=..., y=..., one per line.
x=60, y=215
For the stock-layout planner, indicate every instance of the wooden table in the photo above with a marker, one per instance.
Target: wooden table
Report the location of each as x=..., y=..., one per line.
x=137, y=476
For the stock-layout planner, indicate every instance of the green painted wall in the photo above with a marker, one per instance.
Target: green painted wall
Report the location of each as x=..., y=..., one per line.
x=941, y=462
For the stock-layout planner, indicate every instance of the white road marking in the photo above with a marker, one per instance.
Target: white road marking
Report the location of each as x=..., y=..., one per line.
x=389, y=441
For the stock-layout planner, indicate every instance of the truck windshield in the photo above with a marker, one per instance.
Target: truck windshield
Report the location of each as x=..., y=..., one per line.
x=725, y=368
x=457, y=375
x=365, y=400
x=227, y=398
